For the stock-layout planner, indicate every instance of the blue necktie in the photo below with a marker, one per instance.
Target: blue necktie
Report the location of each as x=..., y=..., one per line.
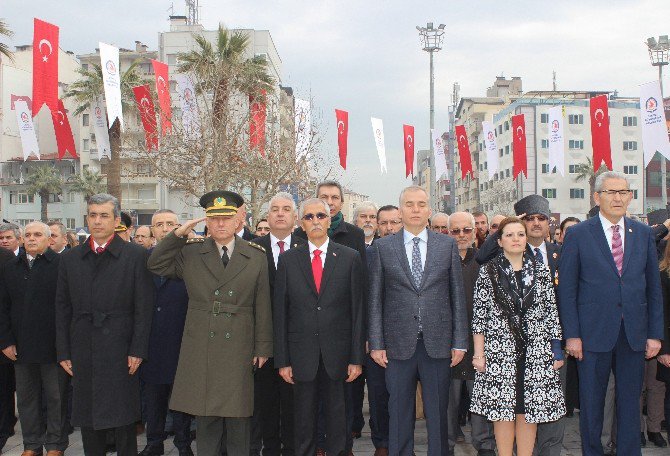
x=417, y=269
x=538, y=255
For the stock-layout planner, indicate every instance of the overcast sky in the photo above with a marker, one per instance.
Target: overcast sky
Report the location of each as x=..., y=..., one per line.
x=365, y=56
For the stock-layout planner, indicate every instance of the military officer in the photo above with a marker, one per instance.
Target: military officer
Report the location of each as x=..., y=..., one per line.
x=228, y=330
x=123, y=228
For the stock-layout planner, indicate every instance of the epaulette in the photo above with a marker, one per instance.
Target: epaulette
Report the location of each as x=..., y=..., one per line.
x=196, y=240
x=259, y=247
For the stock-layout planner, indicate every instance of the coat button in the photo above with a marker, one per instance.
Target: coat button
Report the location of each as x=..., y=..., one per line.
x=316, y=334
x=229, y=315
x=217, y=292
x=158, y=309
x=227, y=335
x=211, y=334
x=318, y=308
x=230, y=293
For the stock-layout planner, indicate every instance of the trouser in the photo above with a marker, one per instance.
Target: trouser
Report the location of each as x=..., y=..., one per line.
x=7, y=402
x=401, y=379
x=571, y=384
x=550, y=435
x=95, y=440
x=321, y=418
x=655, y=398
x=156, y=398
x=378, y=401
x=211, y=438
x=40, y=387
x=482, y=429
x=355, y=412
x=306, y=397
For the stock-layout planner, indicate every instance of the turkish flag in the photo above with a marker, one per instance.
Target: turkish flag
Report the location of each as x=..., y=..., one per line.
x=148, y=115
x=15, y=98
x=600, y=132
x=163, y=91
x=519, y=145
x=45, y=66
x=408, y=133
x=342, y=134
x=463, y=151
x=257, y=119
x=64, y=138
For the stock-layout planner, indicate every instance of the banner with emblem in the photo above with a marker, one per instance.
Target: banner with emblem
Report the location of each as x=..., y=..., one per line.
x=163, y=91
x=378, y=132
x=100, y=130
x=45, y=66
x=190, y=121
x=408, y=138
x=111, y=80
x=440, y=157
x=26, y=130
x=342, y=118
x=148, y=115
x=303, y=127
x=556, y=140
x=491, y=148
x=64, y=137
x=654, y=129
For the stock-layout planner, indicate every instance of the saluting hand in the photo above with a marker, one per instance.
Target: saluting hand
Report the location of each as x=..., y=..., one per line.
x=133, y=364
x=186, y=228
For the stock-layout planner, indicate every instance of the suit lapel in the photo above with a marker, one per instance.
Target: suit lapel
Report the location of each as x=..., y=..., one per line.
x=551, y=260
x=399, y=239
x=599, y=236
x=306, y=266
x=238, y=260
x=211, y=258
x=331, y=259
x=431, y=246
x=629, y=244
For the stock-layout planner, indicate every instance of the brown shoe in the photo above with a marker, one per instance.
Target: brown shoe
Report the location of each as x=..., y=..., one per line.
x=54, y=453
x=382, y=452
x=320, y=452
x=31, y=453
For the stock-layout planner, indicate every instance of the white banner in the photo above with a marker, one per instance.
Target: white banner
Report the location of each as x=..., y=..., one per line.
x=189, y=109
x=654, y=129
x=303, y=127
x=378, y=131
x=101, y=131
x=556, y=140
x=440, y=155
x=111, y=79
x=491, y=148
x=26, y=130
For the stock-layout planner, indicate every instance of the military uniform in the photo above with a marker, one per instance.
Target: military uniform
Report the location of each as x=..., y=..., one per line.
x=228, y=322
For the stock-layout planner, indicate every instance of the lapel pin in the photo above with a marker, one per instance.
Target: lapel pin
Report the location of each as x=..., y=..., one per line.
x=295, y=245
x=630, y=230
x=334, y=254
x=555, y=255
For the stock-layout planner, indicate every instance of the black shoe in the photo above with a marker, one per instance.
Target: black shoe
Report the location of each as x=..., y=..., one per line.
x=186, y=452
x=657, y=439
x=643, y=441
x=486, y=453
x=152, y=450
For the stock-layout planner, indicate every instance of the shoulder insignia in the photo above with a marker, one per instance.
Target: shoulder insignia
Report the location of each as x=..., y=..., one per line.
x=197, y=240
x=261, y=248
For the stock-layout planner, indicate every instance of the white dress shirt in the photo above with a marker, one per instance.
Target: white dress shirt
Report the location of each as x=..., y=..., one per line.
x=16, y=252
x=543, y=249
x=275, y=246
x=96, y=245
x=609, y=230
x=230, y=246
x=323, y=248
x=408, y=239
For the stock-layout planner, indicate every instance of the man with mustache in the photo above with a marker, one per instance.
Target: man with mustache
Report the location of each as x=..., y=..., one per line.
x=365, y=217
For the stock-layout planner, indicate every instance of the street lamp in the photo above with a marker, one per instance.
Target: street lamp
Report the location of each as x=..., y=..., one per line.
x=659, y=54
x=431, y=40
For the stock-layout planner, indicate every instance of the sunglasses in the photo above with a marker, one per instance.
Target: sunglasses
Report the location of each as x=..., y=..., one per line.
x=457, y=231
x=320, y=216
x=539, y=218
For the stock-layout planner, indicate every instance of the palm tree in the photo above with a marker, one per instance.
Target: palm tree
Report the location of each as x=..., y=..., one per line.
x=89, y=89
x=5, y=31
x=44, y=180
x=586, y=172
x=88, y=183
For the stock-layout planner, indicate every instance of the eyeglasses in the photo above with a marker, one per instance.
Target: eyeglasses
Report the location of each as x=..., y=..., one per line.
x=320, y=216
x=621, y=193
x=539, y=218
x=390, y=222
x=457, y=231
x=165, y=224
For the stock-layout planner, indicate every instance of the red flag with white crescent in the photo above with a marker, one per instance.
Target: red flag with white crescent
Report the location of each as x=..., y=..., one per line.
x=45, y=66
x=464, y=151
x=64, y=138
x=600, y=132
x=519, y=145
x=163, y=91
x=258, y=115
x=145, y=105
x=408, y=133
x=342, y=135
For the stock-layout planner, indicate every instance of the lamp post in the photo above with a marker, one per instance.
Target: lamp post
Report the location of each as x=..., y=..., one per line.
x=659, y=54
x=431, y=40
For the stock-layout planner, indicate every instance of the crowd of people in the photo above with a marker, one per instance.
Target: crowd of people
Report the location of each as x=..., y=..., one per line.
x=263, y=343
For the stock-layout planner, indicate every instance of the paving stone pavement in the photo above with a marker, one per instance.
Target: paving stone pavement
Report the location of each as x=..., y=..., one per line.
x=362, y=446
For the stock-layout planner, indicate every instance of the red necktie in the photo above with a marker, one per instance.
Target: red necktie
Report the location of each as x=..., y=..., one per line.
x=281, y=246
x=317, y=269
x=99, y=250
x=617, y=248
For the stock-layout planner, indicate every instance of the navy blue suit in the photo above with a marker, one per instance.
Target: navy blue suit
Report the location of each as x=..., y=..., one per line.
x=614, y=315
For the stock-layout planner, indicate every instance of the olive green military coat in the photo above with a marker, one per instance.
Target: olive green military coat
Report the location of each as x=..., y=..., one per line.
x=229, y=321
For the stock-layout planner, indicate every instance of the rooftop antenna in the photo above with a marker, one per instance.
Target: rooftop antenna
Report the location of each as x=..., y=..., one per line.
x=192, y=12
x=554, y=81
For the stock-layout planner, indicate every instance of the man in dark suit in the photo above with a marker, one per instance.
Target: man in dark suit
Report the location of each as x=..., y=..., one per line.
x=611, y=310
x=272, y=423
x=417, y=321
x=318, y=323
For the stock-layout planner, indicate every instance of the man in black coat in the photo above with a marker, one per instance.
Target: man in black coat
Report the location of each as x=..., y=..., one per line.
x=318, y=329
x=104, y=303
x=272, y=423
x=158, y=372
x=28, y=337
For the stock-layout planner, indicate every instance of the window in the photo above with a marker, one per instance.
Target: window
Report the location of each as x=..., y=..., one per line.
x=576, y=193
x=544, y=118
x=16, y=197
x=507, y=172
x=85, y=144
x=634, y=194
x=630, y=169
x=501, y=152
x=576, y=119
x=172, y=59
x=576, y=144
x=84, y=66
x=481, y=187
x=84, y=120
x=146, y=193
x=70, y=197
x=23, y=222
x=54, y=198
x=545, y=144
x=572, y=169
x=502, y=174
x=630, y=145
x=549, y=192
x=630, y=121
x=507, y=150
x=143, y=169
x=500, y=129
x=545, y=168
x=506, y=125
x=70, y=223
